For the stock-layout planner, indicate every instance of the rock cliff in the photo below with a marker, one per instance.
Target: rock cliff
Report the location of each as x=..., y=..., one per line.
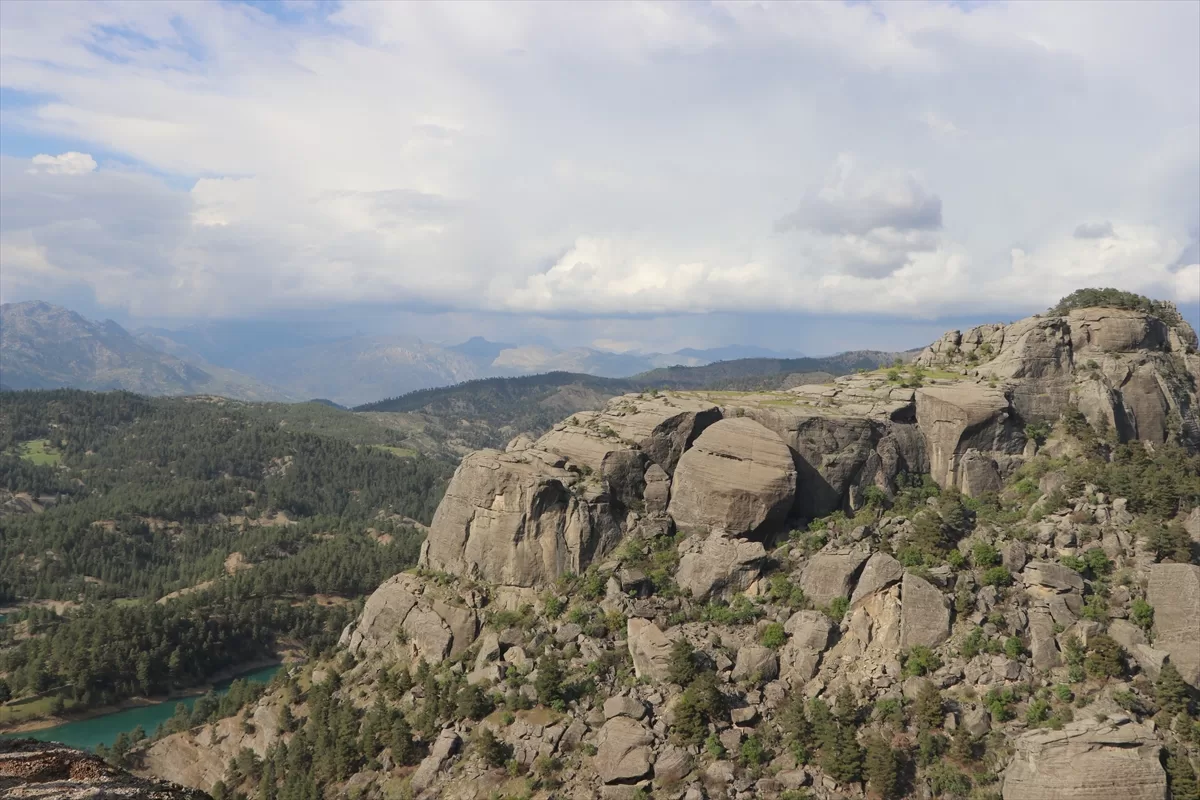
x=32, y=770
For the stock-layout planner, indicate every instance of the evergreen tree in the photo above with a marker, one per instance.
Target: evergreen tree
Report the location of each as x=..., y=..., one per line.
x=681, y=663
x=492, y=750
x=1181, y=777
x=882, y=768
x=928, y=709
x=549, y=682
x=1171, y=694
x=404, y=750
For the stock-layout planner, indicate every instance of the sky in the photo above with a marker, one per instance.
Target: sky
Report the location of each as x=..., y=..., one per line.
x=816, y=176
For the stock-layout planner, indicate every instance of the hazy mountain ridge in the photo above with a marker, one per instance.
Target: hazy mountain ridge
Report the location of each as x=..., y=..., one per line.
x=43, y=346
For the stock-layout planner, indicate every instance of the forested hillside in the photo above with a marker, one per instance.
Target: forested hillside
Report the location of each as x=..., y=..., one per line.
x=179, y=537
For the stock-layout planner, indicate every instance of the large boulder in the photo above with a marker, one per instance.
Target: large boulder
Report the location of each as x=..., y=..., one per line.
x=518, y=519
x=827, y=576
x=444, y=748
x=1087, y=760
x=756, y=662
x=661, y=426
x=649, y=648
x=414, y=619
x=718, y=564
x=880, y=572
x=736, y=478
x=1056, y=577
x=810, y=633
x=623, y=754
x=962, y=417
x=1174, y=591
x=925, y=613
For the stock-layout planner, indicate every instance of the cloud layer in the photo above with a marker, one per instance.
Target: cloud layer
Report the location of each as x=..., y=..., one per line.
x=904, y=159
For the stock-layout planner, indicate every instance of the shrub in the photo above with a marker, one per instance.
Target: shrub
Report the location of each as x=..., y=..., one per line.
x=1142, y=614
x=753, y=753
x=1170, y=692
x=549, y=682
x=493, y=751
x=973, y=644
x=1105, y=658
x=773, y=636
x=701, y=703
x=1097, y=561
x=1013, y=648
x=983, y=555
x=997, y=576
x=781, y=590
x=838, y=608
x=1000, y=703
x=918, y=661
x=882, y=768
x=681, y=663
x=928, y=708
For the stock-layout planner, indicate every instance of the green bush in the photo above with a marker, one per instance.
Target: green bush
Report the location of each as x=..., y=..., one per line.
x=918, y=661
x=1105, y=658
x=983, y=555
x=838, y=608
x=773, y=636
x=997, y=576
x=1141, y=614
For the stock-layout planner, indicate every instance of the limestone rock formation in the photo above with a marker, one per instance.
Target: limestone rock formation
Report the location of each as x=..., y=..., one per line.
x=1087, y=760
x=736, y=478
x=33, y=770
x=1174, y=592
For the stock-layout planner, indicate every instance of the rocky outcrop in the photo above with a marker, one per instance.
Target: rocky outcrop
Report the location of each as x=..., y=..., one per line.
x=444, y=747
x=718, y=564
x=32, y=770
x=925, y=615
x=624, y=752
x=519, y=519
x=737, y=478
x=649, y=648
x=965, y=419
x=1087, y=760
x=828, y=576
x=1126, y=371
x=810, y=633
x=413, y=619
x=1174, y=591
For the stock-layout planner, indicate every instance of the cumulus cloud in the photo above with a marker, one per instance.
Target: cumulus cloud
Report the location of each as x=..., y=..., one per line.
x=71, y=163
x=603, y=159
x=855, y=203
x=1094, y=230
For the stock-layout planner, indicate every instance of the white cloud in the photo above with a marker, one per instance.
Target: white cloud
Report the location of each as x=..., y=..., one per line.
x=71, y=163
x=606, y=158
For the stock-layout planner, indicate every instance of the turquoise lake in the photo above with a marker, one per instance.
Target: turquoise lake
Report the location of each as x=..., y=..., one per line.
x=87, y=734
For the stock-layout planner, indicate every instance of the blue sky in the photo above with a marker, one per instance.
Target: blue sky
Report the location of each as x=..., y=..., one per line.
x=817, y=176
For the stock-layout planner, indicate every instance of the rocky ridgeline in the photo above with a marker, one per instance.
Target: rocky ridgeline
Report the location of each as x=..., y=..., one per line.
x=623, y=533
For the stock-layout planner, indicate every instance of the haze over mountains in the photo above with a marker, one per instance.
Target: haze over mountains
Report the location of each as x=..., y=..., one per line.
x=47, y=346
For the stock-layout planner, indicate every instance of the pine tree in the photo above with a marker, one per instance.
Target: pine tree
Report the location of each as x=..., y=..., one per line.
x=1182, y=778
x=882, y=767
x=404, y=751
x=493, y=751
x=549, y=682
x=681, y=663
x=1170, y=692
x=962, y=746
x=928, y=708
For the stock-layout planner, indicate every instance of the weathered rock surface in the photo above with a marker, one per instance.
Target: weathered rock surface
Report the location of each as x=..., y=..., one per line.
x=415, y=619
x=516, y=519
x=925, y=616
x=1174, y=591
x=444, y=747
x=199, y=758
x=827, y=576
x=880, y=572
x=964, y=417
x=736, y=478
x=623, y=753
x=810, y=633
x=718, y=564
x=756, y=661
x=1087, y=760
x=650, y=649
x=33, y=770
x=1052, y=576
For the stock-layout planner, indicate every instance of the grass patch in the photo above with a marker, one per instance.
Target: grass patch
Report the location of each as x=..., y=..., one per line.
x=40, y=452
x=19, y=711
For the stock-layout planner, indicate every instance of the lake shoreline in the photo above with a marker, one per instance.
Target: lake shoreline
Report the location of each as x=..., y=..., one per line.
x=230, y=673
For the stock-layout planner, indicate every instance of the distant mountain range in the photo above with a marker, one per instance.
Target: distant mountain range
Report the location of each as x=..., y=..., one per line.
x=43, y=346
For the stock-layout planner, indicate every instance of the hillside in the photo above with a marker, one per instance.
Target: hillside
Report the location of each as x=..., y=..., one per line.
x=44, y=347
x=951, y=578
x=182, y=537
